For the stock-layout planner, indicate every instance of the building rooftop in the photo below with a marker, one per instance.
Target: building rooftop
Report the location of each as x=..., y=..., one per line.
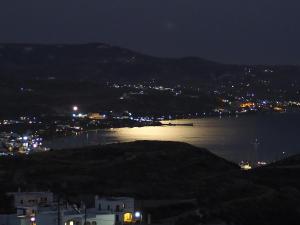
x=114, y=198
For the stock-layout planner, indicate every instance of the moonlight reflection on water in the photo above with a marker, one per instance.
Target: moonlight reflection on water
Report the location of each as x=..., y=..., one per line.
x=232, y=138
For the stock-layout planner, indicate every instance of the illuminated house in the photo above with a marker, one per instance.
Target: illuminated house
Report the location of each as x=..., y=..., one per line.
x=122, y=207
x=71, y=216
x=39, y=208
x=22, y=199
x=27, y=203
x=66, y=216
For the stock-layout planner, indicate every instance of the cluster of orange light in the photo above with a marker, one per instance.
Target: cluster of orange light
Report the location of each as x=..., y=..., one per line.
x=247, y=105
x=278, y=109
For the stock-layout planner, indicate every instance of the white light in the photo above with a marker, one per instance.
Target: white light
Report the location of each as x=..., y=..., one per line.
x=75, y=108
x=32, y=219
x=25, y=138
x=137, y=214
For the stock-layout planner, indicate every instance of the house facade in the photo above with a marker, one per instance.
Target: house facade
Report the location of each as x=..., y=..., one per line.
x=40, y=208
x=122, y=207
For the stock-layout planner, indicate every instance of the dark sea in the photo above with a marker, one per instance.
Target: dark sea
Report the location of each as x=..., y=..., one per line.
x=249, y=138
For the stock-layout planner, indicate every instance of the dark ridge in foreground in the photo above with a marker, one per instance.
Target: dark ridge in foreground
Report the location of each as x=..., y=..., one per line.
x=164, y=170
x=143, y=168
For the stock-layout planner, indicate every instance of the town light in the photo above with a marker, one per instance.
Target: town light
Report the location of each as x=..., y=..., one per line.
x=137, y=214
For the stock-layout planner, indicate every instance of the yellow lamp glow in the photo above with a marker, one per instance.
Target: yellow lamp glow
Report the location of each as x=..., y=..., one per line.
x=128, y=218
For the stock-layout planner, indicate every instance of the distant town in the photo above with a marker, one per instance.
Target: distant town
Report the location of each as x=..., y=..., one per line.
x=25, y=134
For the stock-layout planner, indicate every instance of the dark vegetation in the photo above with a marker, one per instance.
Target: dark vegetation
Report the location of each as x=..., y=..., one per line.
x=142, y=169
x=165, y=170
x=171, y=210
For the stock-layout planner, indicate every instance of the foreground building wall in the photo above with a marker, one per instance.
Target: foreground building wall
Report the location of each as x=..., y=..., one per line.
x=13, y=219
x=122, y=207
x=9, y=220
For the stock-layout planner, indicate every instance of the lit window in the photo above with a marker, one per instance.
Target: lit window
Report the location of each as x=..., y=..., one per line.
x=128, y=218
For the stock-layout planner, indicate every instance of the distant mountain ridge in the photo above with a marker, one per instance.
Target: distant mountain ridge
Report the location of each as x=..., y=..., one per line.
x=103, y=62
x=98, y=61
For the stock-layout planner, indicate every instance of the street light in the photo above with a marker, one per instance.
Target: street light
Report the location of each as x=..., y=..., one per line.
x=32, y=220
x=75, y=108
x=137, y=214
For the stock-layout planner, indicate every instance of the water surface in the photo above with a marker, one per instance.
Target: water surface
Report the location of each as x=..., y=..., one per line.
x=233, y=138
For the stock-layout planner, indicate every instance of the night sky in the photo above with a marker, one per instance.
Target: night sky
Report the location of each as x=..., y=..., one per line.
x=230, y=31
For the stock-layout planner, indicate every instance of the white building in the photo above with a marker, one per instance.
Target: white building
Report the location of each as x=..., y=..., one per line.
x=27, y=203
x=28, y=199
x=66, y=216
x=39, y=208
x=122, y=207
x=70, y=216
x=11, y=219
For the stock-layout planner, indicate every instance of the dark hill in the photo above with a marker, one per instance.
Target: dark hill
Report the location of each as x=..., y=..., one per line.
x=165, y=170
x=103, y=62
x=267, y=196
x=98, y=61
x=146, y=169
